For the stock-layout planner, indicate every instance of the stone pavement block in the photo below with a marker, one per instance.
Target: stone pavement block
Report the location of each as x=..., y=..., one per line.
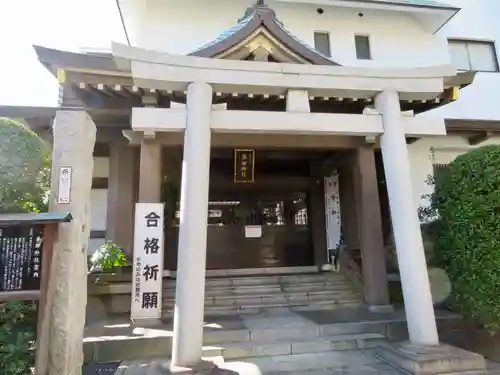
x=216, y=337
x=258, y=350
x=149, y=347
x=279, y=334
x=310, y=346
x=344, y=344
x=352, y=328
x=299, y=362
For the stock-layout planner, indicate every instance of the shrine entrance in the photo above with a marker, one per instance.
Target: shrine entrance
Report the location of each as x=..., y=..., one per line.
x=261, y=218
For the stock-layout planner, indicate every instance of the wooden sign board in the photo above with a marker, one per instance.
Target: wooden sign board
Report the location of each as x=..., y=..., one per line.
x=20, y=257
x=244, y=166
x=148, y=261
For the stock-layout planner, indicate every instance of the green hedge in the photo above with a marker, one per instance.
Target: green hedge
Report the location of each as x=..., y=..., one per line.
x=24, y=168
x=17, y=337
x=468, y=238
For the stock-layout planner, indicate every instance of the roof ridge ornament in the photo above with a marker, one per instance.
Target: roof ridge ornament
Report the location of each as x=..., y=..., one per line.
x=259, y=4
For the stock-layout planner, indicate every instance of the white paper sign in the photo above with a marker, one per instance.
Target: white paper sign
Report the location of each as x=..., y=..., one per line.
x=64, y=190
x=253, y=231
x=332, y=212
x=148, y=261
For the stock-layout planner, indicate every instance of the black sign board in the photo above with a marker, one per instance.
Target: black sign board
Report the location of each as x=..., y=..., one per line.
x=244, y=165
x=20, y=257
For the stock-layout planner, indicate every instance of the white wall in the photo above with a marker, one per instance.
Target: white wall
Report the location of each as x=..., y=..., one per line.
x=444, y=150
x=98, y=203
x=478, y=20
x=180, y=26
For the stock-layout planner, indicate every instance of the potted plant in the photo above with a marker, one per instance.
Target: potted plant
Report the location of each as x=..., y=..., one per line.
x=108, y=259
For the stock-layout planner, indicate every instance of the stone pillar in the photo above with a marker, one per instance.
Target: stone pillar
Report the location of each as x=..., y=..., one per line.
x=370, y=235
x=120, y=211
x=190, y=288
x=408, y=238
x=74, y=139
x=150, y=172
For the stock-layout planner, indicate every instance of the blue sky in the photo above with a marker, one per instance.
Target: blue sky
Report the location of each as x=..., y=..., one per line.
x=62, y=24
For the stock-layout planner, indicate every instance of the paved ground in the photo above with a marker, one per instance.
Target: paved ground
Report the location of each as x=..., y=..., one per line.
x=119, y=326
x=282, y=325
x=357, y=362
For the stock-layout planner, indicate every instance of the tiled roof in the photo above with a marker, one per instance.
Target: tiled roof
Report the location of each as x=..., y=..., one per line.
x=255, y=17
x=226, y=33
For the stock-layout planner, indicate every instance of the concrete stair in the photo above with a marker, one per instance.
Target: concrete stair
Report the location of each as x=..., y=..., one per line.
x=252, y=294
x=231, y=344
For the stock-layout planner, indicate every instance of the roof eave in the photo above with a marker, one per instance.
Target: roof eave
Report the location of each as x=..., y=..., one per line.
x=53, y=59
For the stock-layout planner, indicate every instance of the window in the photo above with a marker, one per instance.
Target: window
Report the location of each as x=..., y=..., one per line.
x=473, y=55
x=362, y=43
x=322, y=43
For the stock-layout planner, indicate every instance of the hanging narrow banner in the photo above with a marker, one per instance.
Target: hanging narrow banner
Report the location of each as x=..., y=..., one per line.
x=244, y=165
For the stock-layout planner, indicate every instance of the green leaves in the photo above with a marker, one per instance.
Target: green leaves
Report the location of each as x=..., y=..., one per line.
x=107, y=257
x=467, y=239
x=17, y=337
x=24, y=169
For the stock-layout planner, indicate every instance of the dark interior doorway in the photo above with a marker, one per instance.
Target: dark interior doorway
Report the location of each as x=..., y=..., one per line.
x=278, y=202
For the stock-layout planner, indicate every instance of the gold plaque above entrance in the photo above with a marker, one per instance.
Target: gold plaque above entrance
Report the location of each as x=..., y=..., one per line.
x=244, y=165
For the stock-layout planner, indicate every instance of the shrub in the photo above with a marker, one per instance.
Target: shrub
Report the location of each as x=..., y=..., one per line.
x=467, y=198
x=108, y=257
x=24, y=169
x=17, y=337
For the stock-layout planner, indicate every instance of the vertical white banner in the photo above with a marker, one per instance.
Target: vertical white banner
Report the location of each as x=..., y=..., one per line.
x=148, y=261
x=332, y=212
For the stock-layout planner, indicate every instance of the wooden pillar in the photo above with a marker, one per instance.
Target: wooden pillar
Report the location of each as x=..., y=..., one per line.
x=120, y=211
x=370, y=229
x=348, y=209
x=316, y=214
x=150, y=172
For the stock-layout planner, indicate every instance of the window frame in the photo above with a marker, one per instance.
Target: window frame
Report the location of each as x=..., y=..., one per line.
x=485, y=42
x=370, y=54
x=327, y=33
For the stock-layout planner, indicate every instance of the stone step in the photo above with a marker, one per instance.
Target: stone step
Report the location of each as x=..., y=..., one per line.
x=263, y=289
x=295, y=346
x=238, y=272
x=326, y=278
x=214, y=337
x=327, y=304
x=235, y=343
x=269, y=298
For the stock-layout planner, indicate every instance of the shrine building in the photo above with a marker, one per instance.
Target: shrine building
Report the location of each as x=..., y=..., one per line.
x=266, y=150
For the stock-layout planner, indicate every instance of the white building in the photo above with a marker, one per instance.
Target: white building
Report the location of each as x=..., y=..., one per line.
x=326, y=96
x=397, y=34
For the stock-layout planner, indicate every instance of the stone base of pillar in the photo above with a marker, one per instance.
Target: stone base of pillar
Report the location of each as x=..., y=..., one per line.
x=430, y=360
